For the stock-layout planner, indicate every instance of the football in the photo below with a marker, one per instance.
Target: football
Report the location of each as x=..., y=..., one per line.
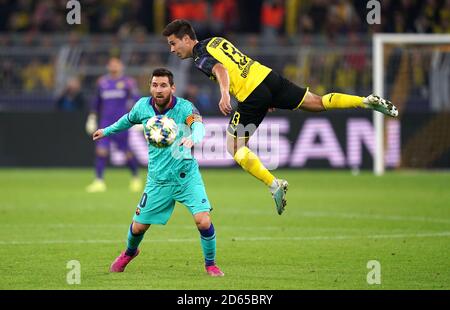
x=161, y=131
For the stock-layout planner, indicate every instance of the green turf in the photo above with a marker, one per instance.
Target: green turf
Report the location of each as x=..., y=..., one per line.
x=333, y=225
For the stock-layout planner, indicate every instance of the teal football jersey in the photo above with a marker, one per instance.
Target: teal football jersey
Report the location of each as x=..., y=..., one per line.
x=164, y=164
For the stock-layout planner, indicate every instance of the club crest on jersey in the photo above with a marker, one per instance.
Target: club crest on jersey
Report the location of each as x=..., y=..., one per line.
x=120, y=85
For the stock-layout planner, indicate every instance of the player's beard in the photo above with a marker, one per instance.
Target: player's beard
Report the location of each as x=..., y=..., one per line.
x=162, y=101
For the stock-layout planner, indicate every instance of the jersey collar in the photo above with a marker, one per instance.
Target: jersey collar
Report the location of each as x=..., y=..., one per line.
x=195, y=50
x=172, y=103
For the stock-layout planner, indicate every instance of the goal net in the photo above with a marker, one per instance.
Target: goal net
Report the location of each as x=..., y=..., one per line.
x=413, y=71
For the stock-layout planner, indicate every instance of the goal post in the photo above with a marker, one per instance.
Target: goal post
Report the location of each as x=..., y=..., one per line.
x=378, y=44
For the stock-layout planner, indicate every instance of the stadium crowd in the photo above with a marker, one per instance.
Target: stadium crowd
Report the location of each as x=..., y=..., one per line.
x=217, y=16
x=41, y=27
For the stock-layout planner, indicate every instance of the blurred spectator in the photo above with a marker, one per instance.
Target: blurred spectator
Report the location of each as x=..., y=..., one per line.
x=199, y=17
x=198, y=98
x=5, y=11
x=218, y=16
x=318, y=12
x=272, y=20
x=224, y=16
x=37, y=75
x=72, y=98
x=20, y=19
x=444, y=15
x=178, y=9
x=196, y=11
x=341, y=16
x=9, y=79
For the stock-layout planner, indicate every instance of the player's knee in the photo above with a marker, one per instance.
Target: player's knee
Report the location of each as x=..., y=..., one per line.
x=101, y=152
x=231, y=149
x=312, y=103
x=139, y=228
x=203, y=221
x=204, y=225
x=319, y=103
x=231, y=146
x=234, y=144
x=129, y=155
x=315, y=100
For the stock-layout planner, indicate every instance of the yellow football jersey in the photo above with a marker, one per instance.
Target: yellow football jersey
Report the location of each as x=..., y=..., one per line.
x=245, y=73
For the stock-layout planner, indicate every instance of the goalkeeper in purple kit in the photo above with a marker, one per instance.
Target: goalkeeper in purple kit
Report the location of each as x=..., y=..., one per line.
x=114, y=93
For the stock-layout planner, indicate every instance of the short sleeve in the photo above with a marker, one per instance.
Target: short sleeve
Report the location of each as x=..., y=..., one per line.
x=203, y=59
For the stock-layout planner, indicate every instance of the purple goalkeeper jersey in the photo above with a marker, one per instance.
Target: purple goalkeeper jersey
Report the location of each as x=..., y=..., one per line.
x=113, y=97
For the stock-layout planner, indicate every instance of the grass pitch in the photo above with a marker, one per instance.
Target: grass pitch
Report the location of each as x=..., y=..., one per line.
x=333, y=225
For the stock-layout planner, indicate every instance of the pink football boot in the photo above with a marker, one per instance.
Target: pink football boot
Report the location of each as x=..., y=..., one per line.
x=214, y=271
x=121, y=262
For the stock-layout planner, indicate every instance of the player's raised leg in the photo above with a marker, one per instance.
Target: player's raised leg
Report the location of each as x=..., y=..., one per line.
x=208, y=242
x=315, y=103
x=249, y=161
x=135, y=236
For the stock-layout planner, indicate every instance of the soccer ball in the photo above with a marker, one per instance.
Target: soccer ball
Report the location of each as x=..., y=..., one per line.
x=162, y=131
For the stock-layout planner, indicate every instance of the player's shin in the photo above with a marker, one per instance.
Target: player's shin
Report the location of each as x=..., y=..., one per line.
x=250, y=162
x=208, y=242
x=133, y=241
x=133, y=165
x=100, y=164
x=342, y=101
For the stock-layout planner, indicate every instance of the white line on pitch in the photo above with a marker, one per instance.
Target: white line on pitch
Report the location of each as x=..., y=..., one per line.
x=383, y=236
x=346, y=216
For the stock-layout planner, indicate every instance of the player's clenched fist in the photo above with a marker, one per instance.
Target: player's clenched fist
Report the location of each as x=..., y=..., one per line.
x=98, y=134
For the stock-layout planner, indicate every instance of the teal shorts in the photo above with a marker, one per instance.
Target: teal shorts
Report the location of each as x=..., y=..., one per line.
x=158, y=200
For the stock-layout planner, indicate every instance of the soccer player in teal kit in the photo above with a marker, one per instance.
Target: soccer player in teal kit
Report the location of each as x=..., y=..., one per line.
x=170, y=178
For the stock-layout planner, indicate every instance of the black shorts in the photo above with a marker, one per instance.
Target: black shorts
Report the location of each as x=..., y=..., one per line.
x=274, y=92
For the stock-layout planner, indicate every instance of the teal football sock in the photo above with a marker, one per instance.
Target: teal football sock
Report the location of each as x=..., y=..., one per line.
x=208, y=241
x=133, y=242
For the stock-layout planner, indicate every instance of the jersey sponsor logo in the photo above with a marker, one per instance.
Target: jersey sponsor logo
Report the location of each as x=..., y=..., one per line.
x=246, y=70
x=113, y=94
x=216, y=42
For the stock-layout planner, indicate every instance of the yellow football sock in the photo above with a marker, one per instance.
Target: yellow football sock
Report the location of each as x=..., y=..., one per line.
x=251, y=163
x=342, y=101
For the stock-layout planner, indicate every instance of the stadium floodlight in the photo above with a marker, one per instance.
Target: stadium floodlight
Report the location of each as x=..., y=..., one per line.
x=378, y=51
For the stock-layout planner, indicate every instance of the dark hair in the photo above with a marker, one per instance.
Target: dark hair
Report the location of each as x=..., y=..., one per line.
x=163, y=72
x=180, y=28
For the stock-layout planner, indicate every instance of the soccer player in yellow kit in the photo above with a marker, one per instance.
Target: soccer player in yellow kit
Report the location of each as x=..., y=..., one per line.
x=257, y=89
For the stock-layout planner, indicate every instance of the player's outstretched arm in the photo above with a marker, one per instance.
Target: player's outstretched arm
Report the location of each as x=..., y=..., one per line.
x=121, y=125
x=223, y=79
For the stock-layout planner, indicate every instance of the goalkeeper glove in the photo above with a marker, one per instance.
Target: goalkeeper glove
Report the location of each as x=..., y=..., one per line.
x=91, y=124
